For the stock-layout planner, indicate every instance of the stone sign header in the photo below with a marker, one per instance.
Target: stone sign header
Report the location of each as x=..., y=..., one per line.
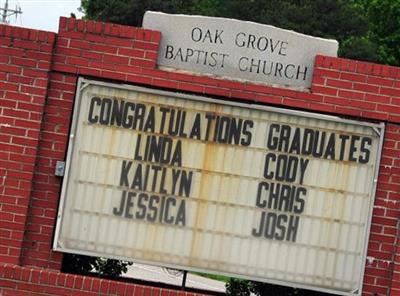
x=237, y=49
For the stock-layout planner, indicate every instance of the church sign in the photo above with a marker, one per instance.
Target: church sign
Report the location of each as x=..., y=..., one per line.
x=236, y=49
x=237, y=189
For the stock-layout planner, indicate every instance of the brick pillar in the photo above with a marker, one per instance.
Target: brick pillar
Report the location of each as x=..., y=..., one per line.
x=25, y=60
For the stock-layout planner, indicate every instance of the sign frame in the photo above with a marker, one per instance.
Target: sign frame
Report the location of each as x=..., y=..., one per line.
x=379, y=128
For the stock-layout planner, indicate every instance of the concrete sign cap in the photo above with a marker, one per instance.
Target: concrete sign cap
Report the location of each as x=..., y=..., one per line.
x=238, y=50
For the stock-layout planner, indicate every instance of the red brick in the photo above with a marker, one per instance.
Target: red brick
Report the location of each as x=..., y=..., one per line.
x=164, y=292
x=185, y=77
x=9, y=86
x=366, y=87
x=115, y=59
x=284, y=92
x=295, y=103
x=324, y=90
x=351, y=94
x=353, y=77
x=113, y=287
x=127, y=32
x=64, y=68
x=374, y=290
x=121, y=289
x=151, y=55
x=80, y=25
x=77, y=61
x=216, y=91
x=348, y=111
x=191, y=87
x=87, y=283
x=10, y=69
x=62, y=23
x=336, y=100
x=388, y=108
x=319, y=60
x=8, y=284
x=46, y=47
x=339, y=83
x=95, y=38
x=379, y=255
x=119, y=42
x=243, y=95
x=98, y=27
x=207, y=81
x=69, y=51
x=33, y=90
x=142, y=63
x=317, y=80
x=71, y=22
x=10, y=104
x=79, y=44
x=375, y=115
x=145, y=45
x=156, y=36
x=377, y=98
x=23, y=62
x=105, y=48
x=165, y=83
x=113, y=75
x=347, y=65
x=226, y=84
x=26, y=44
x=394, y=118
x=309, y=96
x=8, y=259
x=104, y=287
x=14, y=131
x=152, y=72
x=4, y=59
x=390, y=91
x=92, y=55
x=364, y=68
x=362, y=105
x=132, y=52
x=96, y=285
x=143, y=34
x=89, y=71
x=380, y=81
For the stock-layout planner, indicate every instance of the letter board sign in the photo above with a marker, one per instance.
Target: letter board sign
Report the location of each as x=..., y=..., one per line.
x=208, y=185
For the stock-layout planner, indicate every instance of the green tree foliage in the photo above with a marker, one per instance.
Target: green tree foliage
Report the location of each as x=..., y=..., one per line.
x=384, y=17
x=366, y=29
x=130, y=12
x=332, y=19
x=236, y=287
x=80, y=264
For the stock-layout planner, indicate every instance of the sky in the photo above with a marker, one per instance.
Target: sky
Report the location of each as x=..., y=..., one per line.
x=42, y=14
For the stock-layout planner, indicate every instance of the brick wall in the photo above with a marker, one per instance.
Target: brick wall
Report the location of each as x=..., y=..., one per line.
x=357, y=89
x=371, y=91
x=25, y=57
x=46, y=192
x=22, y=281
x=384, y=237
x=395, y=281
x=39, y=71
